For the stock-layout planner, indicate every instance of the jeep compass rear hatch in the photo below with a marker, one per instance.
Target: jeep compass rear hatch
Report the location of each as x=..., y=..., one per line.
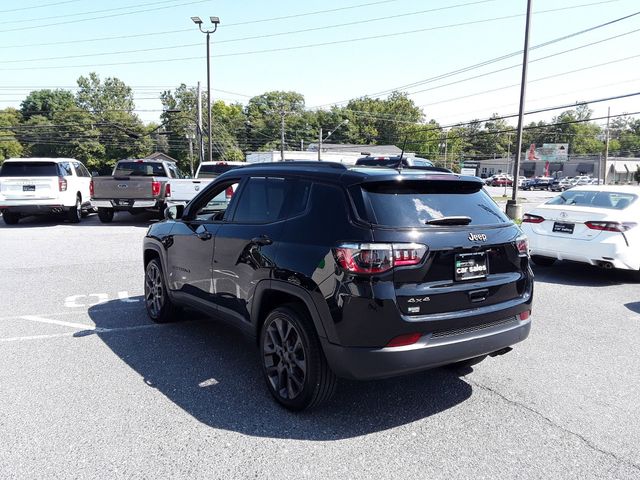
x=451, y=247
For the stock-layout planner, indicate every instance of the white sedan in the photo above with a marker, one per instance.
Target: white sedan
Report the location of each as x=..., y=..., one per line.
x=594, y=224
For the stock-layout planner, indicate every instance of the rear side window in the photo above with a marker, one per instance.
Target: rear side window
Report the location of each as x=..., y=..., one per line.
x=413, y=203
x=139, y=169
x=29, y=169
x=269, y=199
x=586, y=198
x=212, y=171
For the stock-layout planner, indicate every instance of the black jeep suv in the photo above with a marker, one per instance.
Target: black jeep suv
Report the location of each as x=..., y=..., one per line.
x=345, y=272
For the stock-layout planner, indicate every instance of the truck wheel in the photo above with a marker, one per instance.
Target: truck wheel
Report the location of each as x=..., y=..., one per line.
x=161, y=211
x=105, y=214
x=10, y=218
x=75, y=213
x=293, y=363
x=160, y=308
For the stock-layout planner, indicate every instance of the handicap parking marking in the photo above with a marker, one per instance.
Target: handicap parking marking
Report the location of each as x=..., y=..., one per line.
x=83, y=301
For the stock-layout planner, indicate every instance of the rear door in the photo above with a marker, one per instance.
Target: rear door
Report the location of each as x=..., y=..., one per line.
x=31, y=180
x=466, y=265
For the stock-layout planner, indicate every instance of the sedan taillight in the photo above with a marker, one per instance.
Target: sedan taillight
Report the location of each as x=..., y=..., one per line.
x=369, y=258
x=528, y=218
x=610, y=226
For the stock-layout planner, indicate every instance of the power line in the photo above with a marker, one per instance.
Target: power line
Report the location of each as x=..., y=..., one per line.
x=100, y=17
x=298, y=47
x=38, y=6
x=495, y=59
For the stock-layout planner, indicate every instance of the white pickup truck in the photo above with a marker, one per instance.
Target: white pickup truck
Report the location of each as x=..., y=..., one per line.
x=182, y=191
x=42, y=186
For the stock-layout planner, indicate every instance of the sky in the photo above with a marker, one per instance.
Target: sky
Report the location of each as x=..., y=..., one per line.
x=331, y=51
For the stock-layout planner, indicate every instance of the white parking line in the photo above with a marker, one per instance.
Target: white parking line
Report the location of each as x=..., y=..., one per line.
x=81, y=326
x=88, y=330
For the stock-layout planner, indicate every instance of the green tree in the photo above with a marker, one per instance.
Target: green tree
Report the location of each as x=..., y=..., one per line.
x=9, y=145
x=47, y=103
x=97, y=96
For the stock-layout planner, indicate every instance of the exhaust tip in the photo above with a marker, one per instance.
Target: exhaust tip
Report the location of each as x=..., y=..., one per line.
x=502, y=351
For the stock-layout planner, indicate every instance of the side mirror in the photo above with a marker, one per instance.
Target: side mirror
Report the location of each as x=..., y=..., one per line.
x=174, y=212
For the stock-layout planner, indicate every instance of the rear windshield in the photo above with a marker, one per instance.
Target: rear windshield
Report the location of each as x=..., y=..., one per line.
x=412, y=204
x=139, y=169
x=29, y=169
x=585, y=198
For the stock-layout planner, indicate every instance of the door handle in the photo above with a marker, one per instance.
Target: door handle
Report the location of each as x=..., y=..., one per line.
x=262, y=240
x=204, y=236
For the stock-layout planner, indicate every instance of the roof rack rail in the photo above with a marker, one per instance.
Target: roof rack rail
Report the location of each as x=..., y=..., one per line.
x=301, y=163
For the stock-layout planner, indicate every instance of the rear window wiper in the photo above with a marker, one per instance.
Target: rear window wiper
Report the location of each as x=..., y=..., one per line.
x=459, y=220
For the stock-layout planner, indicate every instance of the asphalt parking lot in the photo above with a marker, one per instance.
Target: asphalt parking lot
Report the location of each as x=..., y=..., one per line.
x=89, y=387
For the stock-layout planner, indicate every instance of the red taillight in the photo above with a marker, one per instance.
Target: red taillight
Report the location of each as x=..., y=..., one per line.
x=404, y=340
x=167, y=190
x=228, y=193
x=155, y=188
x=91, y=188
x=610, y=226
x=522, y=316
x=367, y=258
x=62, y=184
x=522, y=244
x=528, y=218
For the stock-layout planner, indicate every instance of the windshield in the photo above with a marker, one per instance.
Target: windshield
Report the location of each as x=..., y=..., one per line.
x=29, y=169
x=139, y=169
x=591, y=198
x=415, y=203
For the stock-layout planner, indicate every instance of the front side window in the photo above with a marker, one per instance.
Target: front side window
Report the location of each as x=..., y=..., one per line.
x=215, y=205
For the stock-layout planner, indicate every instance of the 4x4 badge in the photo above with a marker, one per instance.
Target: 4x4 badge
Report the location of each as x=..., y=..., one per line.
x=477, y=237
x=419, y=300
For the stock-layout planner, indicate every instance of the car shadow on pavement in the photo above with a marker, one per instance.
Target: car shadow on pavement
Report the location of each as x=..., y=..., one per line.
x=580, y=275
x=212, y=372
x=119, y=220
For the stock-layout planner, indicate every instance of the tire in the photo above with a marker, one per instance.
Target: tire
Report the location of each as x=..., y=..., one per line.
x=11, y=218
x=159, y=306
x=160, y=215
x=105, y=214
x=543, y=261
x=75, y=213
x=294, y=366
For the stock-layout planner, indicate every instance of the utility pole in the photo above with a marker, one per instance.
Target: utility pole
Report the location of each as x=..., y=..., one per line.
x=446, y=145
x=282, y=115
x=200, y=138
x=514, y=211
x=190, y=138
x=319, y=144
x=606, y=144
x=302, y=144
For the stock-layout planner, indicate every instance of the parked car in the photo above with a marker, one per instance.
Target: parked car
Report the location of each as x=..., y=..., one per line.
x=541, y=183
x=501, y=181
x=593, y=224
x=136, y=185
x=560, y=185
x=345, y=272
x=43, y=186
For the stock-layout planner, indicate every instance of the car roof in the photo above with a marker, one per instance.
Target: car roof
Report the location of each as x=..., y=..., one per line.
x=346, y=174
x=41, y=159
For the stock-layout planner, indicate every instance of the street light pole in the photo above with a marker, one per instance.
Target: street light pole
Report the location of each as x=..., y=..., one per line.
x=514, y=210
x=215, y=21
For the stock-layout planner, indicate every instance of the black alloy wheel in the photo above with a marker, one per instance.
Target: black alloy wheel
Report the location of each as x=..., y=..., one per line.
x=159, y=306
x=294, y=365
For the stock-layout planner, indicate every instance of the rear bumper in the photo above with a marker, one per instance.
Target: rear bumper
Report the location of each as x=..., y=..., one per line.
x=124, y=205
x=359, y=363
x=612, y=249
x=34, y=207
